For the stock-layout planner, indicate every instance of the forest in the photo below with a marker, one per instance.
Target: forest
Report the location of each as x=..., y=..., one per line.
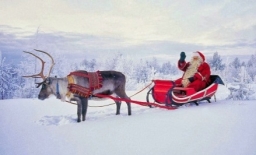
x=238, y=76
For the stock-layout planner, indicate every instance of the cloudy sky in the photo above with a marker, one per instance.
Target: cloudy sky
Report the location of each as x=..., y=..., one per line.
x=160, y=28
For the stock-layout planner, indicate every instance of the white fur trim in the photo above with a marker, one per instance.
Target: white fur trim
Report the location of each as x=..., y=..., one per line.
x=184, y=65
x=201, y=76
x=198, y=55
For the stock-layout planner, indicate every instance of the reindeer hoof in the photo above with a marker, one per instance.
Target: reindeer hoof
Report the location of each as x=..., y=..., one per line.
x=78, y=120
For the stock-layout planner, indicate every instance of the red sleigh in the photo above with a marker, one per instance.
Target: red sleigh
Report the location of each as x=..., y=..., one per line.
x=165, y=92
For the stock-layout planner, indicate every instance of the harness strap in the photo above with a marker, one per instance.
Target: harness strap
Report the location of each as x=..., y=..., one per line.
x=136, y=102
x=58, y=90
x=79, y=90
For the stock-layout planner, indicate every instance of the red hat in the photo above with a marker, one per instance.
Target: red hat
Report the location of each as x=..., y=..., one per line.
x=197, y=53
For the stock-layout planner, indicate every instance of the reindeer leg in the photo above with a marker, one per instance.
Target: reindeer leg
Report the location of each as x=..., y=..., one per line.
x=79, y=107
x=118, y=106
x=121, y=93
x=129, y=106
x=84, y=107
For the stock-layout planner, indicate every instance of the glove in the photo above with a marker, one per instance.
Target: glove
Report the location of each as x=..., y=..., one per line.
x=182, y=56
x=191, y=79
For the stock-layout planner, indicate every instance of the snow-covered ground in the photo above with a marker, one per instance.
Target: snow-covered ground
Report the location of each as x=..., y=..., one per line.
x=34, y=127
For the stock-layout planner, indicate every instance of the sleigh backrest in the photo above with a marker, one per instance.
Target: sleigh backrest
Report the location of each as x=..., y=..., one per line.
x=216, y=79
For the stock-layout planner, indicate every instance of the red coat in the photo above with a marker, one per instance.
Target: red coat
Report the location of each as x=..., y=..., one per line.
x=201, y=77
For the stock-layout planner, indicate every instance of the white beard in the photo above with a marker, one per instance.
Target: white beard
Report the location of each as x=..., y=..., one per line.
x=190, y=72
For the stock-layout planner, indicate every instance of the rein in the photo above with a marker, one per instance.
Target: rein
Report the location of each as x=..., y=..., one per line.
x=128, y=100
x=116, y=98
x=142, y=89
x=93, y=106
x=137, y=102
x=58, y=90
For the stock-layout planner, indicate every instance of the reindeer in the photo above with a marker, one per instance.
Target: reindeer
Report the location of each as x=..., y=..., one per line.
x=113, y=82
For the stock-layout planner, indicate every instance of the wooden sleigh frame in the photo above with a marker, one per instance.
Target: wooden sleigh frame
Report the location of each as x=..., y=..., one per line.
x=165, y=92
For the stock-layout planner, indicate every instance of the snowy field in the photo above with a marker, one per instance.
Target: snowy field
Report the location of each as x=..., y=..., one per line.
x=34, y=127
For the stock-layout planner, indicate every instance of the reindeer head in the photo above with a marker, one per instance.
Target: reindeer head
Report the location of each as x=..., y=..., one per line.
x=46, y=89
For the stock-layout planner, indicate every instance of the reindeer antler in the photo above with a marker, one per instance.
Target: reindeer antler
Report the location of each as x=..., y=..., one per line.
x=53, y=63
x=41, y=74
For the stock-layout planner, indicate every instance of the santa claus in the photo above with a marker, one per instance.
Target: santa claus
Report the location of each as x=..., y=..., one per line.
x=196, y=72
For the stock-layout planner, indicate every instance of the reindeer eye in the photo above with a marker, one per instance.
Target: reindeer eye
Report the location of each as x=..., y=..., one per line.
x=43, y=86
x=47, y=81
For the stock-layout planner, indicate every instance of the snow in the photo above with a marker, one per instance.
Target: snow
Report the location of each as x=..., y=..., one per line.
x=31, y=126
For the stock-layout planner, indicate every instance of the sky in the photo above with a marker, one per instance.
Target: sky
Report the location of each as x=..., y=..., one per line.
x=49, y=127
x=146, y=27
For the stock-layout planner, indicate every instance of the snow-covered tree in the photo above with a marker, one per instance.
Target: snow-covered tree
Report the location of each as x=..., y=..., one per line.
x=216, y=63
x=153, y=63
x=236, y=63
x=122, y=63
x=8, y=79
x=244, y=76
x=169, y=69
x=251, y=67
x=63, y=65
x=240, y=91
x=89, y=65
x=111, y=62
x=240, y=82
x=234, y=68
x=141, y=73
